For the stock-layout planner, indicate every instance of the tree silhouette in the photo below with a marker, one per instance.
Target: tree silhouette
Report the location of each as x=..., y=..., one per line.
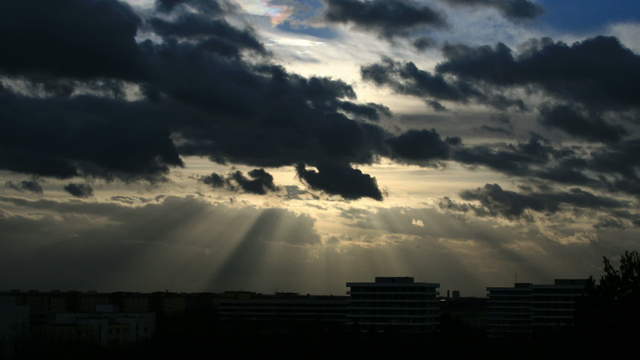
x=612, y=307
x=621, y=285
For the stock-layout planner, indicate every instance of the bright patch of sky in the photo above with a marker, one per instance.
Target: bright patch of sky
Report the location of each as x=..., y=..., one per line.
x=277, y=13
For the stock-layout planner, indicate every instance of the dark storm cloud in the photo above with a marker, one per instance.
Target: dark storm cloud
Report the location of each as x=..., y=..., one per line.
x=423, y=43
x=614, y=168
x=511, y=9
x=217, y=35
x=69, y=38
x=201, y=97
x=342, y=180
x=407, y=79
x=257, y=182
x=214, y=180
x=79, y=190
x=590, y=127
x=421, y=146
x=511, y=204
x=84, y=136
x=211, y=7
x=25, y=185
x=386, y=18
x=368, y=111
x=511, y=159
x=577, y=72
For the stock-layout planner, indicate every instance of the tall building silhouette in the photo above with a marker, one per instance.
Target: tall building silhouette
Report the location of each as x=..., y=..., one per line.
x=527, y=309
x=394, y=304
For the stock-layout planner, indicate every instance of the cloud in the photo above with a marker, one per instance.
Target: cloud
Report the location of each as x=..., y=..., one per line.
x=350, y=183
x=511, y=204
x=79, y=190
x=25, y=185
x=406, y=78
x=388, y=19
x=105, y=47
x=370, y=111
x=518, y=159
x=421, y=146
x=590, y=127
x=85, y=136
x=198, y=97
x=259, y=181
x=214, y=180
x=216, y=34
x=514, y=10
x=574, y=72
x=212, y=7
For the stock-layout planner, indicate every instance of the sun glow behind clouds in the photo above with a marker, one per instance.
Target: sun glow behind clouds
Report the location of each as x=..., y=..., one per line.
x=277, y=13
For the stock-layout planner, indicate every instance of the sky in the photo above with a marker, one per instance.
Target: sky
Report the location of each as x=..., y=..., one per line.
x=296, y=145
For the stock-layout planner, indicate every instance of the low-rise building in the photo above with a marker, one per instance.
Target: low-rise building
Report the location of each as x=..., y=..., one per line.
x=282, y=307
x=14, y=327
x=98, y=328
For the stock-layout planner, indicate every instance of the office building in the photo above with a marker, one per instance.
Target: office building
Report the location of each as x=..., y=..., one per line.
x=394, y=304
x=526, y=309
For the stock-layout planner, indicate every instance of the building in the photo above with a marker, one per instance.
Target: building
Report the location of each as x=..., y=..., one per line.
x=394, y=304
x=106, y=329
x=282, y=307
x=527, y=309
x=14, y=326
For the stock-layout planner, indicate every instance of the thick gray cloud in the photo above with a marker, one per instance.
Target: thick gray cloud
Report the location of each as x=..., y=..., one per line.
x=576, y=72
x=217, y=35
x=85, y=136
x=258, y=181
x=341, y=180
x=388, y=19
x=512, y=9
x=407, y=79
x=590, y=98
x=79, y=190
x=513, y=159
x=200, y=96
x=510, y=204
x=213, y=7
x=103, y=33
x=583, y=125
x=204, y=97
x=25, y=185
x=214, y=180
x=421, y=146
